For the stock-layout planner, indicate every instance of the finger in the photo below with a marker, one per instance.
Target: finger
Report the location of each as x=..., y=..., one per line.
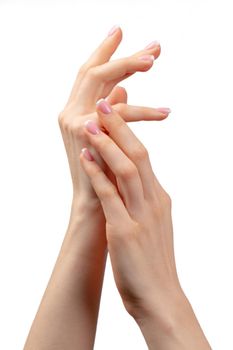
x=101, y=55
x=122, y=167
x=152, y=52
x=133, y=114
x=105, y=50
x=131, y=146
x=113, y=207
x=100, y=80
x=153, y=48
x=130, y=114
x=138, y=113
x=117, y=95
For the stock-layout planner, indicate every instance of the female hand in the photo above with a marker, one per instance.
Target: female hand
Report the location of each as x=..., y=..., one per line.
x=71, y=300
x=137, y=212
x=140, y=234
x=96, y=79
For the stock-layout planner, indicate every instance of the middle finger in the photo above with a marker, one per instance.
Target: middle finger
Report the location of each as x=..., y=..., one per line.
x=97, y=84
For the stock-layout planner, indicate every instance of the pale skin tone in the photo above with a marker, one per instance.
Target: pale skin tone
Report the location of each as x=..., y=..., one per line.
x=118, y=207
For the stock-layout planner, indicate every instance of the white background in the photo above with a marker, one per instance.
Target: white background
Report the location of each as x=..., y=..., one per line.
x=43, y=43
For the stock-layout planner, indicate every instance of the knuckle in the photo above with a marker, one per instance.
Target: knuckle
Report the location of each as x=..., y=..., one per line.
x=107, y=193
x=61, y=117
x=102, y=143
x=122, y=234
x=83, y=68
x=70, y=125
x=119, y=122
x=96, y=176
x=93, y=73
x=76, y=129
x=120, y=107
x=128, y=171
x=167, y=200
x=139, y=153
x=63, y=120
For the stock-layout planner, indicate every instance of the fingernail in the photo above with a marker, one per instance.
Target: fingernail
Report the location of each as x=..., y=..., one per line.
x=152, y=44
x=104, y=106
x=163, y=110
x=147, y=58
x=92, y=127
x=113, y=30
x=87, y=154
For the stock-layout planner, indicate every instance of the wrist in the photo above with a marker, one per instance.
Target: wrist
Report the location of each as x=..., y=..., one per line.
x=172, y=325
x=160, y=308
x=85, y=234
x=83, y=211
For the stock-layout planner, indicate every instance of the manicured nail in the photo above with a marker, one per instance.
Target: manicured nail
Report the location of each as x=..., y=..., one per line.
x=153, y=44
x=163, y=110
x=147, y=58
x=92, y=127
x=87, y=154
x=113, y=30
x=104, y=106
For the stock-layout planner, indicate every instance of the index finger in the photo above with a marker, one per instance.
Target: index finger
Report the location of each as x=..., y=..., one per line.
x=100, y=55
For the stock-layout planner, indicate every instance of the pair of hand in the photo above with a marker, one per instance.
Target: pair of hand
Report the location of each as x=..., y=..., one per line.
x=118, y=206
x=115, y=174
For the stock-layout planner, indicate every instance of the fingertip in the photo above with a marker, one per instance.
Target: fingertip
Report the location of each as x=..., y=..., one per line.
x=117, y=95
x=164, y=111
x=164, y=116
x=85, y=153
x=115, y=32
x=158, y=51
x=120, y=32
x=123, y=94
x=103, y=107
x=158, y=117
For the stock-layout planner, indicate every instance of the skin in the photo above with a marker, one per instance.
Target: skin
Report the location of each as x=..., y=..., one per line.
x=67, y=315
x=140, y=236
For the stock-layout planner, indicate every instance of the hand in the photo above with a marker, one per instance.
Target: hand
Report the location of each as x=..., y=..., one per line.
x=137, y=212
x=71, y=300
x=140, y=235
x=98, y=78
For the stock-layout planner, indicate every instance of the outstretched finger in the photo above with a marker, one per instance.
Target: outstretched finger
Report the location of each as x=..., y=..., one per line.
x=138, y=113
x=132, y=113
x=101, y=55
x=99, y=81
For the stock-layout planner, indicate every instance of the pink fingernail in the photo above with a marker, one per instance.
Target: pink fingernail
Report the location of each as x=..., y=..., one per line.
x=104, y=107
x=153, y=44
x=113, y=30
x=92, y=127
x=164, y=110
x=87, y=154
x=147, y=58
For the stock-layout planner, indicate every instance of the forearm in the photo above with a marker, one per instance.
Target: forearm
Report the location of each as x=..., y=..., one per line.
x=67, y=316
x=174, y=327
